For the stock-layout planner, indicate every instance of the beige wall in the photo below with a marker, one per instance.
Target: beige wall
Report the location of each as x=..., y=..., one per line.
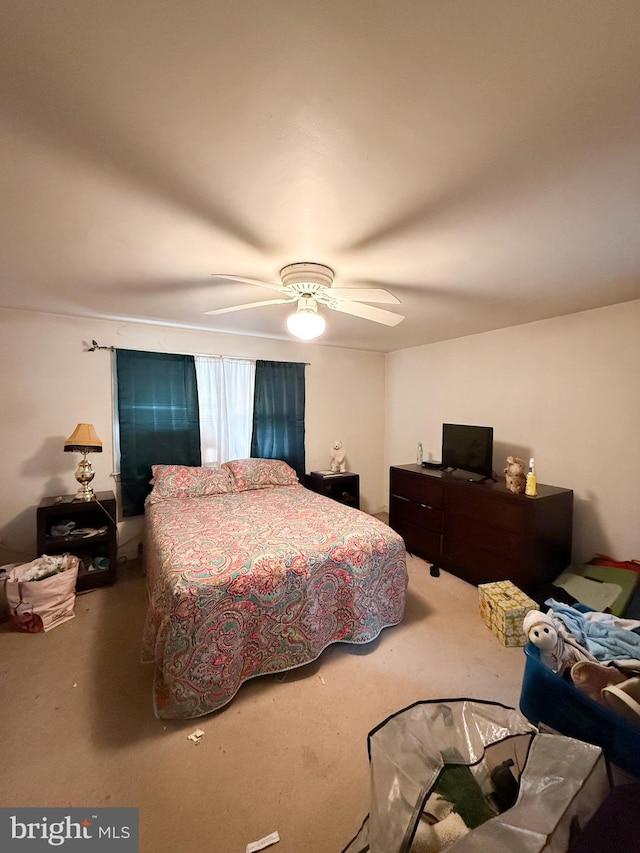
x=49, y=383
x=563, y=390
x=566, y=391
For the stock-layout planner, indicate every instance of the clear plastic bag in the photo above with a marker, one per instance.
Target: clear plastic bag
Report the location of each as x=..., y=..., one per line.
x=558, y=783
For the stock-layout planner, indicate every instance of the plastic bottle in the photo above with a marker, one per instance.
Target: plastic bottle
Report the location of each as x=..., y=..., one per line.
x=420, y=455
x=531, y=488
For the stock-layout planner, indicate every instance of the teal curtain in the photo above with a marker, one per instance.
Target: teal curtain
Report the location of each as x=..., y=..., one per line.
x=278, y=413
x=158, y=418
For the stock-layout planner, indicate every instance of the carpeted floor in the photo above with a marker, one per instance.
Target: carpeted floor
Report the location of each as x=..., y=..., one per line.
x=289, y=753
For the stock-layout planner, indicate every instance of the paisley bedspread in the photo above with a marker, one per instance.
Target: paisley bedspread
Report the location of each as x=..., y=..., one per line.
x=256, y=582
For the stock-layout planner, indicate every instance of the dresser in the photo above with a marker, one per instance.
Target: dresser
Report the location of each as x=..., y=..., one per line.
x=480, y=531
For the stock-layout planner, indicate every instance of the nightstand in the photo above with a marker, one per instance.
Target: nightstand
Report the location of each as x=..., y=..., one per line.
x=92, y=537
x=344, y=488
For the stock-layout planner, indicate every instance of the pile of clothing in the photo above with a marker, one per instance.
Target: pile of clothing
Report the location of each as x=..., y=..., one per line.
x=599, y=652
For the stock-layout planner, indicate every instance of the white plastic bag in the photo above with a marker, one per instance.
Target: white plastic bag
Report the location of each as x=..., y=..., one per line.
x=42, y=594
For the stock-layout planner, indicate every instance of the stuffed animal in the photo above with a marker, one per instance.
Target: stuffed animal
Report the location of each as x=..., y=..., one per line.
x=338, y=457
x=515, y=475
x=558, y=649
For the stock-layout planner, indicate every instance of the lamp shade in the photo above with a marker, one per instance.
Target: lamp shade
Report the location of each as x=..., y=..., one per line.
x=306, y=323
x=84, y=440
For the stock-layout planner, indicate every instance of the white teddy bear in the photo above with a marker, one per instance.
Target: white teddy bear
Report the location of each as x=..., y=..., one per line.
x=338, y=457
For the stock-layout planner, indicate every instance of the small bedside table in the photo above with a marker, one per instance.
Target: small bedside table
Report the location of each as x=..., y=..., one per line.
x=344, y=488
x=99, y=515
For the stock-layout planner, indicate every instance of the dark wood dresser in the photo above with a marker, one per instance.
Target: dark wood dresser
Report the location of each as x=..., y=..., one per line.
x=480, y=531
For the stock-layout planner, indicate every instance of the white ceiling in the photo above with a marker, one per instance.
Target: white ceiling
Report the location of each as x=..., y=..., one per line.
x=478, y=158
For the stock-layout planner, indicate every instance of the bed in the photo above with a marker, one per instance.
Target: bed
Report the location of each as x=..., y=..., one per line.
x=250, y=573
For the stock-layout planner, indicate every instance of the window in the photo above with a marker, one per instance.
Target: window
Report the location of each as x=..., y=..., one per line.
x=278, y=413
x=158, y=419
x=225, y=392
x=201, y=410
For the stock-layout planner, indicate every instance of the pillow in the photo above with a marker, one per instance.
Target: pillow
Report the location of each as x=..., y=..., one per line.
x=260, y=473
x=182, y=481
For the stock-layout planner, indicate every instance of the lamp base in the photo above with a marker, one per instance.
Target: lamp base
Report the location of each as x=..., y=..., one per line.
x=85, y=493
x=84, y=475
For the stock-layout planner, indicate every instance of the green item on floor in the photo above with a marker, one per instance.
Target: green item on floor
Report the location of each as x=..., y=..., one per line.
x=457, y=784
x=600, y=576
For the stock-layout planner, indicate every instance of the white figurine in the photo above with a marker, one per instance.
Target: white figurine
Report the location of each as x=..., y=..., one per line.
x=338, y=456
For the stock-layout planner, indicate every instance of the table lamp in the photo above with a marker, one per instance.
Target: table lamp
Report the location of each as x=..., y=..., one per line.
x=84, y=440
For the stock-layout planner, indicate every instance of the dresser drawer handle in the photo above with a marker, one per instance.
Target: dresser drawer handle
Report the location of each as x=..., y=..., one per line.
x=401, y=498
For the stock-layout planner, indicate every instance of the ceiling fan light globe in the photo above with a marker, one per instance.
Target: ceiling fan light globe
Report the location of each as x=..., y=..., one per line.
x=306, y=324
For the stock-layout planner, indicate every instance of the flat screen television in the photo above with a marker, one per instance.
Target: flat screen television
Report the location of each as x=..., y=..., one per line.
x=468, y=448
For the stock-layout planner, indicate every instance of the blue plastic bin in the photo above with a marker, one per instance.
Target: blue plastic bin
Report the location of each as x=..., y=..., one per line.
x=547, y=698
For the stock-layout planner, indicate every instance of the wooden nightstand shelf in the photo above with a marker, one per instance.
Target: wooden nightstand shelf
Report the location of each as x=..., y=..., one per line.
x=99, y=515
x=344, y=488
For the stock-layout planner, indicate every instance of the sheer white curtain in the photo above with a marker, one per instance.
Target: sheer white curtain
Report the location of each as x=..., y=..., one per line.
x=225, y=395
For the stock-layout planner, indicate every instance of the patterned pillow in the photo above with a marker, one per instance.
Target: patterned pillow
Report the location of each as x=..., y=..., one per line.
x=260, y=473
x=181, y=481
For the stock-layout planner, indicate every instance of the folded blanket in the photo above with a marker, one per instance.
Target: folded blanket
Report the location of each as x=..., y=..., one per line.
x=604, y=640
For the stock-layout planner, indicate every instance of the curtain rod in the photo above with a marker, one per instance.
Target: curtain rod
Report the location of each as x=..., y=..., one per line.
x=96, y=346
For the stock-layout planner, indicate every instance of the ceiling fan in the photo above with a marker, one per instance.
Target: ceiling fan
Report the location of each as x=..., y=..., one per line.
x=310, y=284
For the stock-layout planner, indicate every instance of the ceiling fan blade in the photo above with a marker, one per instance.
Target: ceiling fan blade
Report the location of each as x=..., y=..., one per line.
x=363, y=294
x=245, y=280
x=250, y=305
x=367, y=312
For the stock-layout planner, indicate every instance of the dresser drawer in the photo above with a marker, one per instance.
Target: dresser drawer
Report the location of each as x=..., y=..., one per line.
x=417, y=487
x=402, y=510
x=505, y=512
x=470, y=533
x=421, y=542
x=479, y=566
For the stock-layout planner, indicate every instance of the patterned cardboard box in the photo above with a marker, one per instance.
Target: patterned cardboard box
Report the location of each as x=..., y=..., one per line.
x=503, y=607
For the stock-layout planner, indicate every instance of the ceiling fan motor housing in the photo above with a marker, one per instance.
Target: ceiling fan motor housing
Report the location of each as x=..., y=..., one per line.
x=306, y=278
